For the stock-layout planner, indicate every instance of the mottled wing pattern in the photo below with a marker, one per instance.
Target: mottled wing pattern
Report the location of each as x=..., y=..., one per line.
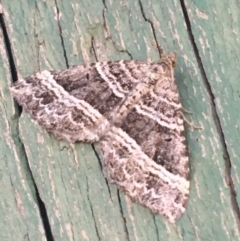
x=75, y=104
x=145, y=151
x=56, y=110
x=133, y=109
x=103, y=85
x=141, y=178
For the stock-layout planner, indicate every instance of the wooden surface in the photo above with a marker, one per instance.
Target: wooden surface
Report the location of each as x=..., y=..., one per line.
x=52, y=190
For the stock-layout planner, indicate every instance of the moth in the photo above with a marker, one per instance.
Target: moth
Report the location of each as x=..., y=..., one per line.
x=133, y=109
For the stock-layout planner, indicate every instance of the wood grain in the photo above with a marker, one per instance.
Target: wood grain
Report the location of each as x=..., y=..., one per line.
x=80, y=203
x=19, y=212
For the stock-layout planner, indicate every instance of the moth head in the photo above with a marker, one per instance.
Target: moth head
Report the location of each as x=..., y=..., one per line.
x=169, y=59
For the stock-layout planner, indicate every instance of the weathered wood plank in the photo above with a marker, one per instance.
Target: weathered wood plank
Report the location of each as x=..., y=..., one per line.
x=80, y=203
x=215, y=26
x=19, y=213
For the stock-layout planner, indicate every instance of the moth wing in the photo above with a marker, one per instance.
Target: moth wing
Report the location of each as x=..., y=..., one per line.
x=141, y=178
x=144, y=151
x=75, y=104
x=58, y=112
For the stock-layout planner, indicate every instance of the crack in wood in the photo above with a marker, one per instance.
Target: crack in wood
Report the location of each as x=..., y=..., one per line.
x=13, y=71
x=61, y=35
x=160, y=49
x=94, y=219
x=123, y=217
x=215, y=115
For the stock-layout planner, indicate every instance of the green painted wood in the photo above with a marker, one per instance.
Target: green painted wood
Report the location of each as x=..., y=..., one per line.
x=220, y=57
x=19, y=214
x=80, y=203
